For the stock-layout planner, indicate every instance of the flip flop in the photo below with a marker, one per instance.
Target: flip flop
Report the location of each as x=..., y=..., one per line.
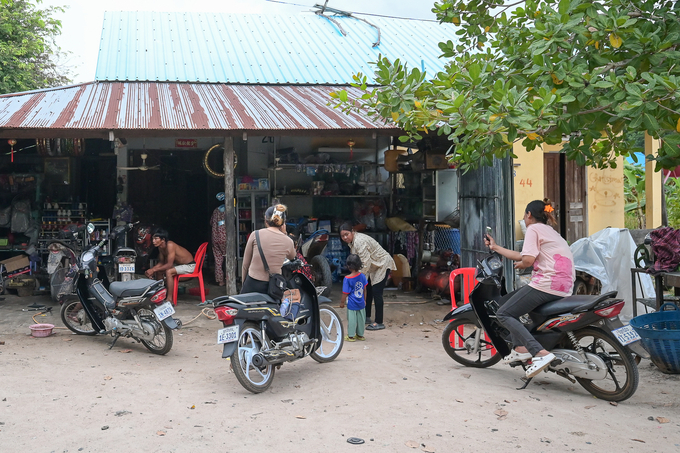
x=348, y=338
x=375, y=326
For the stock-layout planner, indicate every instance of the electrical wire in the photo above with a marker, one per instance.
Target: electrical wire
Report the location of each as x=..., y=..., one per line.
x=354, y=12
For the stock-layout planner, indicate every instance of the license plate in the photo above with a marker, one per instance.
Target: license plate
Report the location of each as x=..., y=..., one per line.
x=164, y=310
x=126, y=268
x=227, y=335
x=626, y=335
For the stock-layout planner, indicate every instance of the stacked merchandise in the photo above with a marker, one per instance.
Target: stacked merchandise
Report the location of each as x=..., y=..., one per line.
x=336, y=253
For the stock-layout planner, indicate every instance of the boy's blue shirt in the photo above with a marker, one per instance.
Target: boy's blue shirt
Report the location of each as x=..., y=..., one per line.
x=354, y=288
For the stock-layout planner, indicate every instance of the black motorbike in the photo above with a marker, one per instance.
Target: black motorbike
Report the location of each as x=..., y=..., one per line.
x=590, y=343
x=260, y=334
x=134, y=309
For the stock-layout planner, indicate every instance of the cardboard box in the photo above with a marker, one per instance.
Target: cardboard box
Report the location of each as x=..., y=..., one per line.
x=15, y=263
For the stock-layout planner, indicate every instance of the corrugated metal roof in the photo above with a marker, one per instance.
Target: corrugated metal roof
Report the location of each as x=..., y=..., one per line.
x=269, y=49
x=204, y=109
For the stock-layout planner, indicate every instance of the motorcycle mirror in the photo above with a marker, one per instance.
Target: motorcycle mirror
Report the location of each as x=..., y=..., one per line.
x=90, y=228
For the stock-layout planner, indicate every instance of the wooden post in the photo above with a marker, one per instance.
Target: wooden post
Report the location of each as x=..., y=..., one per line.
x=230, y=271
x=653, y=185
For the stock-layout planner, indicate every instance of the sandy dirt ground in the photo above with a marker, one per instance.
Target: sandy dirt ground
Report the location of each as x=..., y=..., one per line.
x=398, y=391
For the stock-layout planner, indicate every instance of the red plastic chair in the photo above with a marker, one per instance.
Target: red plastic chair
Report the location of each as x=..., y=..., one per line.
x=197, y=273
x=468, y=284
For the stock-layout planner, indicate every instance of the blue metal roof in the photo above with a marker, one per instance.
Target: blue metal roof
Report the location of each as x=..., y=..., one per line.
x=260, y=49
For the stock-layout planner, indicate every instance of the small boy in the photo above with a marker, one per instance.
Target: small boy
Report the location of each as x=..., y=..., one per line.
x=353, y=292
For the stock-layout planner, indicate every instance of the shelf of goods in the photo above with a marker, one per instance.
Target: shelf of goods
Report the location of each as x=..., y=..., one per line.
x=102, y=229
x=55, y=217
x=250, y=208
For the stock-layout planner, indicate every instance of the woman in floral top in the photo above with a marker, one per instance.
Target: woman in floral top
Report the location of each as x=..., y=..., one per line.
x=377, y=264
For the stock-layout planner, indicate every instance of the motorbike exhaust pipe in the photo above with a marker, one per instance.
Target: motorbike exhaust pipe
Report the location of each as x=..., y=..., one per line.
x=272, y=357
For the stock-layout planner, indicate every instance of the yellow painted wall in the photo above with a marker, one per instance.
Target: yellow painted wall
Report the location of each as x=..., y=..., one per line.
x=528, y=181
x=605, y=189
x=605, y=198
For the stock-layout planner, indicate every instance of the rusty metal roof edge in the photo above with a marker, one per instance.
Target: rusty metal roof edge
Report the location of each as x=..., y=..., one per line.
x=43, y=90
x=96, y=82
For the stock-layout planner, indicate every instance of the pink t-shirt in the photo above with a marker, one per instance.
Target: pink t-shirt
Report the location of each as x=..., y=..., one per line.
x=554, y=271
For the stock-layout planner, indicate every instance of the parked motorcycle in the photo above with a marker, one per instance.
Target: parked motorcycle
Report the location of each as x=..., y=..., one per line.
x=259, y=335
x=310, y=251
x=124, y=258
x=134, y=309
x=591, y=344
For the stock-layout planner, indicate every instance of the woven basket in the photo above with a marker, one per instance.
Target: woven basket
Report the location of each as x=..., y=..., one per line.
x=660, y=334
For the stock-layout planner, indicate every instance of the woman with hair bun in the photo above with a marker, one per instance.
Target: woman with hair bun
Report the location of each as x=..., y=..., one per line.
x=552, y=278
x=377, y=264
x=276, y=246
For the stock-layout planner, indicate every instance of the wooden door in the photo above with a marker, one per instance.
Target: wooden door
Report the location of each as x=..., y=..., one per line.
x=552, y=178
x=576, y=203
x=565, y=185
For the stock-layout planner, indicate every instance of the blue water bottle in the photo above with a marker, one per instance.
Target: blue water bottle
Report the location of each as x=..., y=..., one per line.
x=285, y=305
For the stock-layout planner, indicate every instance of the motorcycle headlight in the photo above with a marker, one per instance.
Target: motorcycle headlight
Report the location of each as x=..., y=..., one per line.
x=87, y=257
x=495, y=263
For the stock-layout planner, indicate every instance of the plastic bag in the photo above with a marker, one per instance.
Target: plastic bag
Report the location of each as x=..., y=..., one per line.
x=21, y=216
x=608, y=256
x=5, y=217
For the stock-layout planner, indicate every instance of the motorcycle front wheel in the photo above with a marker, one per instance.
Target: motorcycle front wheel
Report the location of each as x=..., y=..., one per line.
x=250, y=342
x=622, y=372
x=75, y=318
x=332, y=335
x=161, y=343
x=466, y=343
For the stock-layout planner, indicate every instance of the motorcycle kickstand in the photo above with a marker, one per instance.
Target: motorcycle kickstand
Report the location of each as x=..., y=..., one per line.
x=114, y=341
x=525, y=379
x=526, y=383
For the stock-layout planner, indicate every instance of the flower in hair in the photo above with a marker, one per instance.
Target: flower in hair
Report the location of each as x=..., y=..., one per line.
x=548, y=208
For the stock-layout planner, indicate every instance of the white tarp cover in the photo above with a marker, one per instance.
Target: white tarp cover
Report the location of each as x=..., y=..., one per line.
x=608, y=256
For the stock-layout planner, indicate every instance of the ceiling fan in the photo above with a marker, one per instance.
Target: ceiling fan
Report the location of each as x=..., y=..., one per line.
x=142, y=167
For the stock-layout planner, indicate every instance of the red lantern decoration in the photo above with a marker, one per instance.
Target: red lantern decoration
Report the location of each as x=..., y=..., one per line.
x=351, y=144
x=11, y=142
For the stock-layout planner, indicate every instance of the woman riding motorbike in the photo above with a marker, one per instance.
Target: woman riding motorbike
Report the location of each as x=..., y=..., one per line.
x=276, y=245
x=552, y=278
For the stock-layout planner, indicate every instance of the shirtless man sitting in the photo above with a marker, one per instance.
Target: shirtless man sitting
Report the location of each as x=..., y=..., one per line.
x=173, y=259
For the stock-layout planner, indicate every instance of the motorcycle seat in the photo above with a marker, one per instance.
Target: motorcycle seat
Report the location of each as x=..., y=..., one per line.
x=251, y=298
x=572, y=304
x=131, y=288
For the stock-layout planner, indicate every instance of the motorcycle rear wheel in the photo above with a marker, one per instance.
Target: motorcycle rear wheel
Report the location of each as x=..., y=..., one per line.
x=332, y=335
x=162, y=341
x=250, y=342
x=620, y=363
x=459, y=339
x=75, y=318
x=322, y=274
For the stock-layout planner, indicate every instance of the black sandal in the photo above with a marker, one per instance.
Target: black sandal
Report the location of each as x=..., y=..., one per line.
x=375, y=326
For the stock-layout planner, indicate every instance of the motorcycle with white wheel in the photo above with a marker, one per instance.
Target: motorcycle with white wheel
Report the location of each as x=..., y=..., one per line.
x=135, y=309
x=590, y=343
x=260, y=334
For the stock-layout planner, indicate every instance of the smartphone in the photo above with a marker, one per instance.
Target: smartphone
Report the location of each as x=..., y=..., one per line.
x=488, y=232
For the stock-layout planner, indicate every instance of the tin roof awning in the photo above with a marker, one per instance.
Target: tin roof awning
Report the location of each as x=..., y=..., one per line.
x=92, y=110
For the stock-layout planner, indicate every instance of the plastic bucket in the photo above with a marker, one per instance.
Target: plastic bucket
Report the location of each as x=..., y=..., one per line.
x=41, y=330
